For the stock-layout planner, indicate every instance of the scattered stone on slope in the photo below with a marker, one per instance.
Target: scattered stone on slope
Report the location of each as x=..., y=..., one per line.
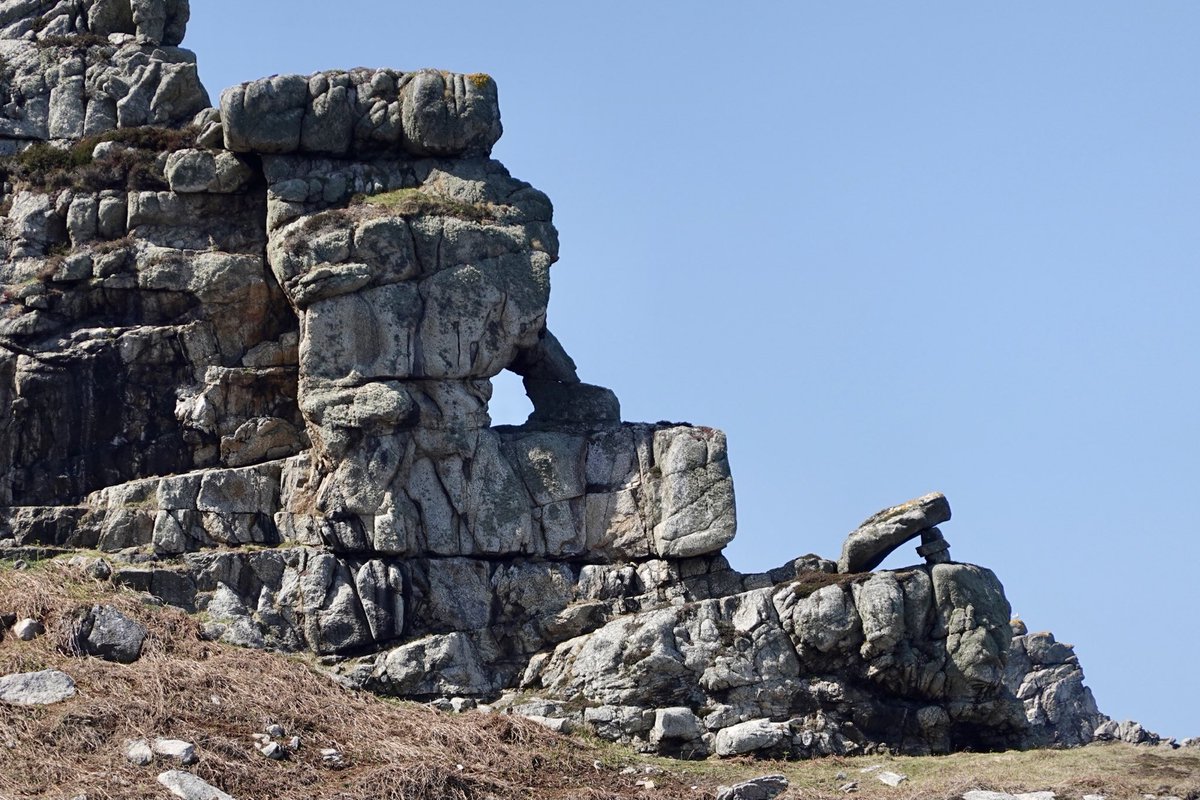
x=139, y=752
x=273, y=751
x=891, y=778
x=748, y=737
x=177, y=749
x=28, y=629
x=868, y=545
x=766, y=787
x=41, y=688
x=106, y=633
x=188, y=787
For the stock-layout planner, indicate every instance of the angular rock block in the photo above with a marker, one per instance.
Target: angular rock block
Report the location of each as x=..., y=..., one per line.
x=424, y=113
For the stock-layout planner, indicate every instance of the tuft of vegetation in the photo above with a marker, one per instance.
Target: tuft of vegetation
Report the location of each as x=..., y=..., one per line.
x=45, y=166
x=414, y=203
x=479, y=80
x=79, y=41
x=808, y=582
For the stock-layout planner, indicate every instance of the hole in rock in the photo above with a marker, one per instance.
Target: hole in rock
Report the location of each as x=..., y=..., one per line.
x=510, y=405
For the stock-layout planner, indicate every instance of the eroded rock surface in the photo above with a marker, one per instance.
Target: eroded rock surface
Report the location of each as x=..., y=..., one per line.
x=247, y=353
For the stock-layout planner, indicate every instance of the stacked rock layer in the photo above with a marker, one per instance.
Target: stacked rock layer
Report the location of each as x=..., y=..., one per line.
x=246, y=353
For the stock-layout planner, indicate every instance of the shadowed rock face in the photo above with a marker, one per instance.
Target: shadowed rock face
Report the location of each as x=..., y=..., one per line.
x=251, y=361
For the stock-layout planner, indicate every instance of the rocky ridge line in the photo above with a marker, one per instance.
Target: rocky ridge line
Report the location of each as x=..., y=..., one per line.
x=247, y=355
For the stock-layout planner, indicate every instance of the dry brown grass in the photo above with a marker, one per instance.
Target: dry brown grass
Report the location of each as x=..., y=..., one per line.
x=1115, y=770
x=218, y=696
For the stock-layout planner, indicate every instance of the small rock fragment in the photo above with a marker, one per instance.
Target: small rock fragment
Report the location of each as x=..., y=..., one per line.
x=273, y=751
x=461, y=704
x=556, y=724
x=852, y=786
x=891, y=778
x=28, y=629
x=181, y=751
x=294, y=743
x=275, y=731
x=138, y=752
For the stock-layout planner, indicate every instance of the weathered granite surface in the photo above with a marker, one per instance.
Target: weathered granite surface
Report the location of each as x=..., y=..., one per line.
x=246, y=353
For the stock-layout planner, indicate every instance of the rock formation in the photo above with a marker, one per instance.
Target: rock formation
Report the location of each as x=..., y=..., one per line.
x=246, y=354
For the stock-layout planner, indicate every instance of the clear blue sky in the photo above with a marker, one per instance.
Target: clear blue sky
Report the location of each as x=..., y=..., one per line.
x=889, y=248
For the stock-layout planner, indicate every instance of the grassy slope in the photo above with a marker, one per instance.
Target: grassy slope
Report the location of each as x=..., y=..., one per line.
x=218, y=696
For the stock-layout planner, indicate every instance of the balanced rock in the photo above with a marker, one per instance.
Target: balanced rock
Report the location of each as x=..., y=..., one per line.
x=871, y=542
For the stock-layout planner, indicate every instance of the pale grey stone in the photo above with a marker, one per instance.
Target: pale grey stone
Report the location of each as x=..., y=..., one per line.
x=192, y=171
x=446, y=114
x=264, y=116
x=984, y=794
x=880, y=605
x=973, y=612
x=177, y=749
x=695, y=492
x=42, y=688
x=556, y=724
x=748, y=737
x=677, y=722
x=891, y=778
x=138, y=752
x=443, y=664
x=762, y=788
x=188, y=787
x=28, y=629
x=273, y=751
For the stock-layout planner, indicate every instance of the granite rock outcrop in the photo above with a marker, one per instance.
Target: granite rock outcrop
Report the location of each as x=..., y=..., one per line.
x=246, y=354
